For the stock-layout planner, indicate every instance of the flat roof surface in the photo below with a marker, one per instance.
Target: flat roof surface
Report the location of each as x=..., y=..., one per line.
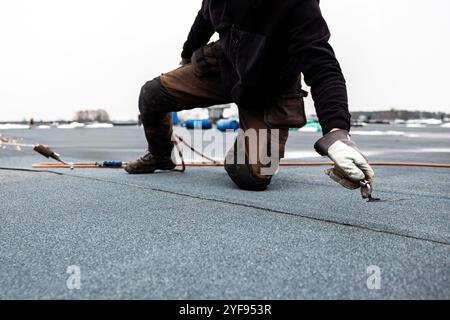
x=196, y=236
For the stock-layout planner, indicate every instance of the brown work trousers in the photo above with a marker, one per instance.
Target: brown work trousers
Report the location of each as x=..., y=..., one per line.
x=193, y=91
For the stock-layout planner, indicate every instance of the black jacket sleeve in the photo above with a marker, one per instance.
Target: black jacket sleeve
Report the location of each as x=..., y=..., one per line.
x=200, y=33
x=310, y=53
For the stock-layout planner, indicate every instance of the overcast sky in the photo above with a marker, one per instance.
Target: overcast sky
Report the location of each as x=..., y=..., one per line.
x=58, y=56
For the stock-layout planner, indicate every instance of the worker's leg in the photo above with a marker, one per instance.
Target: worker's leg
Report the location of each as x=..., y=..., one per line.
x=177, y=90
x=155, y=104
x=254, y=158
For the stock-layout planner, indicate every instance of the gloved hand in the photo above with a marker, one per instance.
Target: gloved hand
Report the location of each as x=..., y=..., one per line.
x=352, y=169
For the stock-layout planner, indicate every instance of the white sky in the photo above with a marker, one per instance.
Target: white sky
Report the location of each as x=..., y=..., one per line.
x=59, y=56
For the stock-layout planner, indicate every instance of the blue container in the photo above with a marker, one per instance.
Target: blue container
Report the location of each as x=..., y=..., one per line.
x=175, y=118
x=228, y=124
x=198, y=124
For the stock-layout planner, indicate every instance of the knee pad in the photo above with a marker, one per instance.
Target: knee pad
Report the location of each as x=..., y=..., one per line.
x=155, y=99
x=244, y=179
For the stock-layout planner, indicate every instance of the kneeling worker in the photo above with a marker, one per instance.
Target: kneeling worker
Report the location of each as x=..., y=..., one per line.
x=264, y=47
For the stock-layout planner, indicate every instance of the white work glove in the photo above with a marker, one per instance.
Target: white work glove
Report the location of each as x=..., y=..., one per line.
x=352, y=168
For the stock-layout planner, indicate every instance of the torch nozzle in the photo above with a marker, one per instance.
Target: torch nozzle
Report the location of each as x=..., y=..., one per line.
x=47, y=152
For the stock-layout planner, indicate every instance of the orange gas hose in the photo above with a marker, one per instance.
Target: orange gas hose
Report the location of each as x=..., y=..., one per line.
x=282, y=164
x=316, y=164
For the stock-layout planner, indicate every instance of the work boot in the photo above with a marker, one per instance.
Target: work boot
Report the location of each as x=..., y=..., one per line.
x=149, y=163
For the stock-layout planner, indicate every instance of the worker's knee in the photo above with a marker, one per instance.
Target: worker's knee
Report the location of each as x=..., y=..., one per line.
x=154, y=98
x=243, y=177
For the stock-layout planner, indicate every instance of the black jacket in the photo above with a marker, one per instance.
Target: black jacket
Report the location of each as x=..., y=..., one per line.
x=267, y=44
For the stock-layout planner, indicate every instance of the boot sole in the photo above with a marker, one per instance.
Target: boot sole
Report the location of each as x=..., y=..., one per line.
x=150, y=170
